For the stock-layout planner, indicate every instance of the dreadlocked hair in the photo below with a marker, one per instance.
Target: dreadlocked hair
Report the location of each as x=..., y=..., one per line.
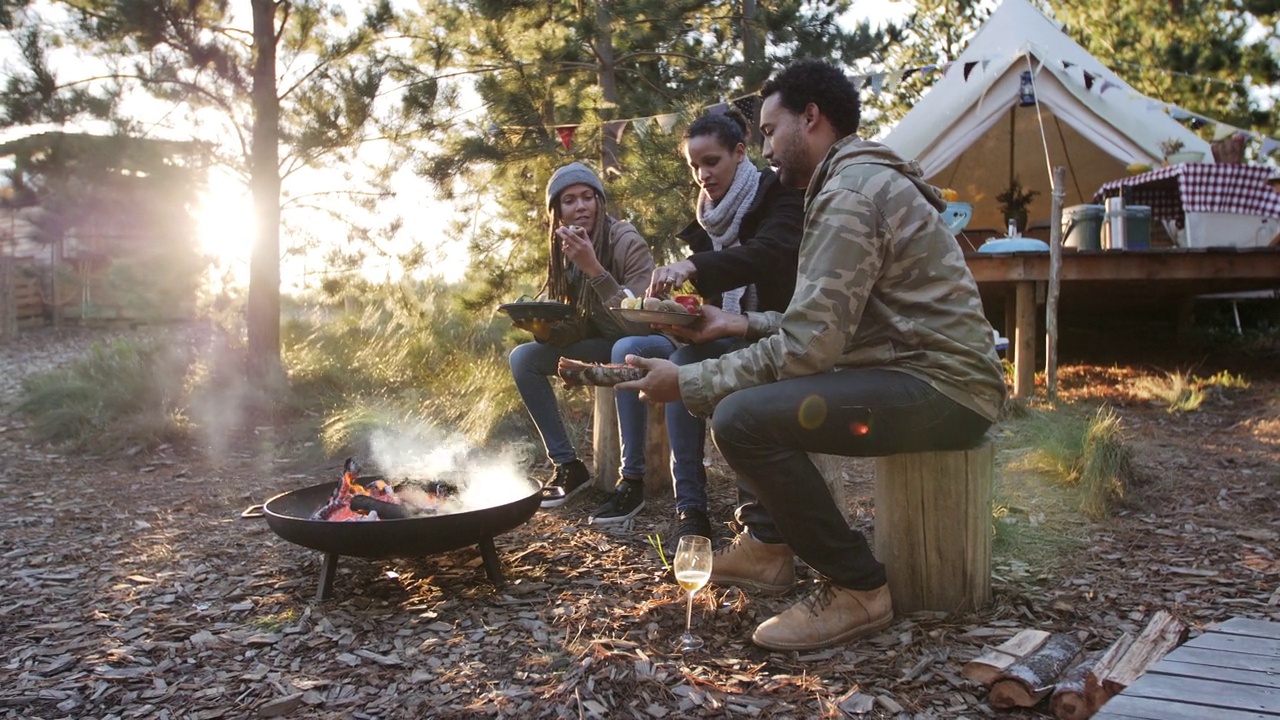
x=564, y=281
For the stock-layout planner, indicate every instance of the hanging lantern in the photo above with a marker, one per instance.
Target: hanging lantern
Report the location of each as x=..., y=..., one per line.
x=1027, y=91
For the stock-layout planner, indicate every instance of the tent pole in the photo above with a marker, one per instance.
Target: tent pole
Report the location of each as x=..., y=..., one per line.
x=1058, y=196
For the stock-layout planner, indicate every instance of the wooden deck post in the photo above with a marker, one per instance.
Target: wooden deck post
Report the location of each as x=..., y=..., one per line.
x=1024, y=342
x=933, y=528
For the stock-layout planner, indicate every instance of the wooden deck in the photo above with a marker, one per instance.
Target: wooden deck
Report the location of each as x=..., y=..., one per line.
x=1111, y=279
x=1230, y=673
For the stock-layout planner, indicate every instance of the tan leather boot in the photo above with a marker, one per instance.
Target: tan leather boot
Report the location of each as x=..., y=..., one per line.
x=831, y=615
x=767, y=568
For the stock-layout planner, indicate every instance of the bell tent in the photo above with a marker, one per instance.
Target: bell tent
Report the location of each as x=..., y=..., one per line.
x=1022, y=89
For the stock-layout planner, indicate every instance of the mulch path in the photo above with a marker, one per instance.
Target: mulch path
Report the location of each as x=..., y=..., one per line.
x=134, y=590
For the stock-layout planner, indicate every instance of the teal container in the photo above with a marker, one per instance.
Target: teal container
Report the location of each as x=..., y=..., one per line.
x=1137, y=226
x=1082, y=226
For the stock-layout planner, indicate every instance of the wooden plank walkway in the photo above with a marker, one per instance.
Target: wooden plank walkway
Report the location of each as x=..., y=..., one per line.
x=1231, y=673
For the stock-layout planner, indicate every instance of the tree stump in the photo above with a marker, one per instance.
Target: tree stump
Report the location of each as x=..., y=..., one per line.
x=933, y=528
x=607, y=446
x=830, y=468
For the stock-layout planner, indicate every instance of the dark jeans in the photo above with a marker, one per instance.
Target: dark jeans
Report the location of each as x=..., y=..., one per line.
x=688, y=435
x=765, y=432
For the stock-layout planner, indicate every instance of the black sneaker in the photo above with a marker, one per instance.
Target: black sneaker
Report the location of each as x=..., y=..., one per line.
x=626, y=501
x=570, y=479
x=692, y=522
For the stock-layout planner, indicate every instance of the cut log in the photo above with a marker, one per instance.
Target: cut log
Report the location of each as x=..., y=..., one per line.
x=1026, y=682
x=1127, y=660
x=988, y=666
x=1068, y=701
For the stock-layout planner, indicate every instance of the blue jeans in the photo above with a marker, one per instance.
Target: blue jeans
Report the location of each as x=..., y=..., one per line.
x=764, y=433
x=532, y=364
x=633, y=413
x=688, y=435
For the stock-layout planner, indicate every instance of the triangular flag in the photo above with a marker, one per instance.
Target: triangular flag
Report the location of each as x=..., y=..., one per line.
x=1067, y=64
x=1152, y=105
x=909, y=72
x=1223, y=131
x=1198, y=122
x=1106, y=85
x=717, y=109
x=566, y=134
x=968, y=68
x=747, y=105
x=1269, y=145
x=667, y=121
x=892, y=79
x=617, y=127
x=877, y=82
x=1088, y=80
x=928, y=68
x=1178, y=113
x=985, y=63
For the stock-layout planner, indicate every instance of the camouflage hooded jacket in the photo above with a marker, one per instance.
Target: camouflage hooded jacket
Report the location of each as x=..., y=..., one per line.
x=881, y=284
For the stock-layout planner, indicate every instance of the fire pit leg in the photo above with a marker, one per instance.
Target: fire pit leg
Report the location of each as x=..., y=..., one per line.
x=327, y=571
x=492, y=566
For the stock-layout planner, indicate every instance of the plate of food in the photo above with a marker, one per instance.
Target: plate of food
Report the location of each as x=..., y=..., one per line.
x=683, y=310
x=536, y=310
x=657, y=317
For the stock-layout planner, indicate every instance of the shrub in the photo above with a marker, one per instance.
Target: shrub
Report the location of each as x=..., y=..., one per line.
x=1085, y=452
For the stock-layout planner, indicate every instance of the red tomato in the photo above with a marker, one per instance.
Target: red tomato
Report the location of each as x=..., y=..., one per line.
x=692, y=303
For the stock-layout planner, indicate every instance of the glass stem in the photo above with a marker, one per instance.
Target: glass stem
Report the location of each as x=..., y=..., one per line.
x=688, y=614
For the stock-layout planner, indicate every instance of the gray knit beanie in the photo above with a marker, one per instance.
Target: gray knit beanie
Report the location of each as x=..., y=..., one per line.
x=572, y=174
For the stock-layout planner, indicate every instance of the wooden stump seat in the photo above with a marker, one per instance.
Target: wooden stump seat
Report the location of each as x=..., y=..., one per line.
x=607, y=447
x=933, y=528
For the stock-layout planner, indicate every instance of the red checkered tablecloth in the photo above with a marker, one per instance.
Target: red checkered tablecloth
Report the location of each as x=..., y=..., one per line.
x=1199, y=187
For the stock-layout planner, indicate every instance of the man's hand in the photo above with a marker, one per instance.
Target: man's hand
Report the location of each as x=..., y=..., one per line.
x=660, y=384
x=669, y=277
x=577, y=247
x=713, y=325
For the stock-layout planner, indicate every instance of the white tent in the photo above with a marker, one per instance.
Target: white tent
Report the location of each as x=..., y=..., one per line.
x=970, y=133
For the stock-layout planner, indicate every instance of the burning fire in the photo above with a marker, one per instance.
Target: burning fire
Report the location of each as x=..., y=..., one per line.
x=356, y=500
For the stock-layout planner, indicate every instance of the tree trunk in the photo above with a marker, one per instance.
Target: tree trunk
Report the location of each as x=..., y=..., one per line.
x=264, y=264
x=753, y=58
x=608, y=90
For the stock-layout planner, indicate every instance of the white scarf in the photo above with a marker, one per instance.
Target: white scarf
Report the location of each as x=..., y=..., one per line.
x=723, y=219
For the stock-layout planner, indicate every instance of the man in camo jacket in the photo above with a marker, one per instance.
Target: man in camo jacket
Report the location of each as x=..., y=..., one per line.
x=884, y=349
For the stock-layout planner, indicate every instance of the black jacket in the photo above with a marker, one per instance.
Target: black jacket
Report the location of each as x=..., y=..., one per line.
x=767, y=253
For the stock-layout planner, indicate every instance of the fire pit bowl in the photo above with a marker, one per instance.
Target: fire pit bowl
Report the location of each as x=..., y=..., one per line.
x=289, y=516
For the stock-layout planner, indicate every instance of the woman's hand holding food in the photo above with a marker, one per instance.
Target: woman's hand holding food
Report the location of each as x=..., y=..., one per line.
x=577, y=247
x=669, y=277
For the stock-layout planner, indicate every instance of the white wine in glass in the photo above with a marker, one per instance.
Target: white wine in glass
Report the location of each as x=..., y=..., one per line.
x=693, y=569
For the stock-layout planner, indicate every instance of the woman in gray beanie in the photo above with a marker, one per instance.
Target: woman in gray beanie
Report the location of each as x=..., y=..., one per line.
x=594, y=259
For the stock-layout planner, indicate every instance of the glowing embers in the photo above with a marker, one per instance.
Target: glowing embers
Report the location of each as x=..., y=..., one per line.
x=372, y=498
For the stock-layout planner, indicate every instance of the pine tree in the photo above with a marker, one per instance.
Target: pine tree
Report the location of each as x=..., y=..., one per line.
x=587, y=66
x=1206, y=56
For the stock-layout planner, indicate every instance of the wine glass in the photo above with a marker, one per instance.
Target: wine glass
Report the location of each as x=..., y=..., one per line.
x=693, y=569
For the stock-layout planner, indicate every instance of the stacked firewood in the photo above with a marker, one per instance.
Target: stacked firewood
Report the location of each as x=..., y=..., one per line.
x=1034, y=665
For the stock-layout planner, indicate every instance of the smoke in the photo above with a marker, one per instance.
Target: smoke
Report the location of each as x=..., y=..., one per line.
x=419, y=454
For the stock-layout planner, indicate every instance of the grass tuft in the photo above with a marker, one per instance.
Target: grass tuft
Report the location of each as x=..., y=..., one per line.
x=1088, y=453
x=122, y=394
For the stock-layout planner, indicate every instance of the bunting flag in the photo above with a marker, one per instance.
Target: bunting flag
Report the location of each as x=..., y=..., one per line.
x=1269, y=145
x=1088, y=80
x=566, y=134
x=617, y=127
x=877, y=82
x=1222, y=132
x=1067, y=64
x=1106, y=85
x=667, y=121
x=718, y=109
x=968, y=68
x=1178, y=113
x=749, y=105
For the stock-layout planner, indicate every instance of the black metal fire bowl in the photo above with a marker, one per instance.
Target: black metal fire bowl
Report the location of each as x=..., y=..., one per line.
x=289, y=516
